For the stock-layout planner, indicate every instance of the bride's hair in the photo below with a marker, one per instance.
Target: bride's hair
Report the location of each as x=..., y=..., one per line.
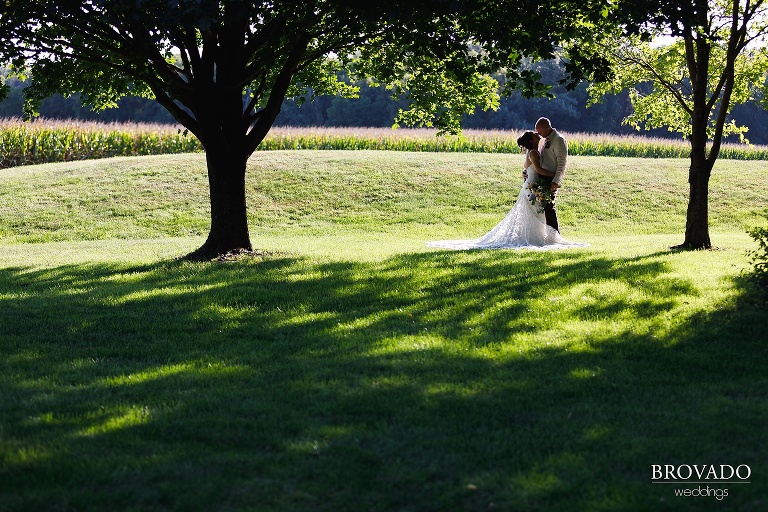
x=526, y=140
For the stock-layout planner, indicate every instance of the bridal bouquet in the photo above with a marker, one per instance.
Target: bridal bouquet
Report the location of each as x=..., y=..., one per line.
x=541, y=192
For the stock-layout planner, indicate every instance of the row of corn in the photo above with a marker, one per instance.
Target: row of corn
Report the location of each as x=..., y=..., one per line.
x=490, y=141
x=42, y=141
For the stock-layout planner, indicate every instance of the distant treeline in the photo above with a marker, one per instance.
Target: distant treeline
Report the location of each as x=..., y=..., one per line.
x=376, y=108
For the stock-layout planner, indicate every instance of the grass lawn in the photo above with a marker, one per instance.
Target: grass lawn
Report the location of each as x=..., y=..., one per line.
x=352, y=368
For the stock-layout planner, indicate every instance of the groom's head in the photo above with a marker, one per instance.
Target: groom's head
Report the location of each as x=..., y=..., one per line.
x=543, y=127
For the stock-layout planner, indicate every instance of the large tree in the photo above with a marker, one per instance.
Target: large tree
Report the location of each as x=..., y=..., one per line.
x=714, y=58
x=222, y=68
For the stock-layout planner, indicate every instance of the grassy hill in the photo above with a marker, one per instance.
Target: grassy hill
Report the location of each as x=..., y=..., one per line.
x=308, y=192
x=352, y=368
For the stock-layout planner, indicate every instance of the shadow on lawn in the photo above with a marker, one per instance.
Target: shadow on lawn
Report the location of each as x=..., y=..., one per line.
x=425, y=382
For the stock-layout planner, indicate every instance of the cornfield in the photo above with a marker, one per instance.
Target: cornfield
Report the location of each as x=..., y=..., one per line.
x=490, y=141
x=44, y=141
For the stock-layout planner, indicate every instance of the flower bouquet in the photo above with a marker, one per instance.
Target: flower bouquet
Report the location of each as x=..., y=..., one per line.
x=541, y=193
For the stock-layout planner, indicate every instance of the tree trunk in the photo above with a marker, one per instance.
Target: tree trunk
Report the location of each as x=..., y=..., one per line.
x=698, y=52
x=697, y=219
x=229, y=126
x=229, y=220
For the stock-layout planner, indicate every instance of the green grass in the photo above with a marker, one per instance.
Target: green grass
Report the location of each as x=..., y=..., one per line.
x=367, y=192
x=353, y=368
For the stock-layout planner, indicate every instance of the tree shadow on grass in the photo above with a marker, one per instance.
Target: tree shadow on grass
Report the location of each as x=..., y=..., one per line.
x=433, y=381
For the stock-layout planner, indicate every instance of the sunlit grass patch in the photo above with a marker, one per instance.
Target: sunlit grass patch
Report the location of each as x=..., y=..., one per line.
x=327, y=195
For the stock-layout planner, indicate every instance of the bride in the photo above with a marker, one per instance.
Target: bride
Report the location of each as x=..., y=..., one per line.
x=524, y=227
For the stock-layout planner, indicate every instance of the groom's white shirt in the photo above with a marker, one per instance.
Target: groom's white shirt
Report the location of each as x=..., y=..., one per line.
x=555, y=157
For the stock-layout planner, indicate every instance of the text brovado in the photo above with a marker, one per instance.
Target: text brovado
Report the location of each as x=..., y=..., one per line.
x=683, y=472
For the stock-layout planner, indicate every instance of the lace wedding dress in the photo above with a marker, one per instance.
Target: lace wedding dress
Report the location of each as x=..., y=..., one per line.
x=523, y=228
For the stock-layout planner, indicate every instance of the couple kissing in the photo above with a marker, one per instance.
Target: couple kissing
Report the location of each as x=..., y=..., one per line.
x=532, y=222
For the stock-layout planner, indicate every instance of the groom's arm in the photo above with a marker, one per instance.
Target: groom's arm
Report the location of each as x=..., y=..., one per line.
x=560, y=147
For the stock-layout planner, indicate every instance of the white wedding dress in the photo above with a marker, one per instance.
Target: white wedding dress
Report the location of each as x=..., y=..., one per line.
x=523, y=228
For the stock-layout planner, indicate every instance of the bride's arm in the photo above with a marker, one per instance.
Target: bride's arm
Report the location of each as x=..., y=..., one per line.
x=526, y=164
x=536, y=161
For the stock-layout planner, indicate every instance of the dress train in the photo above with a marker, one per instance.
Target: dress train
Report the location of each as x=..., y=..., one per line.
x=523, y=228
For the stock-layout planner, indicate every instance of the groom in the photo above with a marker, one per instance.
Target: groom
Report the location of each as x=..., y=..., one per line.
x=553, y=149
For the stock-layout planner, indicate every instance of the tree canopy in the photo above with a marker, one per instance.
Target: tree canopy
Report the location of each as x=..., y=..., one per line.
x=660, y=78
x=222, y=68
x=717, y=59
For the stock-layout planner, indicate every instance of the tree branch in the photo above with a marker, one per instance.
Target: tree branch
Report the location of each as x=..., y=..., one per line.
x=736, y=40
x=663, y=81
x=266, y=117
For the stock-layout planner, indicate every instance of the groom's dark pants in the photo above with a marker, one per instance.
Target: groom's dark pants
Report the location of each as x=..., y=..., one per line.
x=550, y=209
